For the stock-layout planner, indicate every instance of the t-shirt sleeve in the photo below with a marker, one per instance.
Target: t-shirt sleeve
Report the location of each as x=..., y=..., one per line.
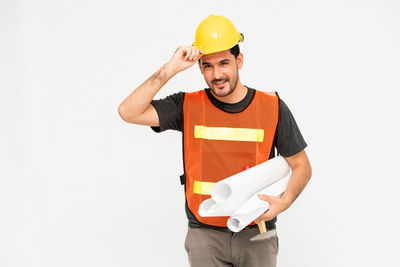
x=289, y=141
x=169, y=110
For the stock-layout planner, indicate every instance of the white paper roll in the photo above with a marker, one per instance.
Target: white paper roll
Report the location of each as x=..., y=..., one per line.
x=254, y=206
x=241, y=185
x=229, y=194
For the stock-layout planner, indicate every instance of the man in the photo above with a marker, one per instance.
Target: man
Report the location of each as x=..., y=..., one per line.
x=225, y=127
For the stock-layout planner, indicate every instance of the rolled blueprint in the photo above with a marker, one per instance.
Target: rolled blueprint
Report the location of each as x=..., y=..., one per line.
x=229, y=194
x=254, y=206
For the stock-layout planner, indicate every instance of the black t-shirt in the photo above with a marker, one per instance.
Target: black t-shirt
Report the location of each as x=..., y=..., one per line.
x=289, y=140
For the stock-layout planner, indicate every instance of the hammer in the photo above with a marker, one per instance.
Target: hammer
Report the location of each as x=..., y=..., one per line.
x=264, y=234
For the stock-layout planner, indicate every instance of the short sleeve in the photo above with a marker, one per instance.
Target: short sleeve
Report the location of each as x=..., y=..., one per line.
x=290, y=141
x=169, y=110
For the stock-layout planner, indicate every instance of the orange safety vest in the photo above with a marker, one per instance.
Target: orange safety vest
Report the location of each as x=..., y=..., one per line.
x=219, y=144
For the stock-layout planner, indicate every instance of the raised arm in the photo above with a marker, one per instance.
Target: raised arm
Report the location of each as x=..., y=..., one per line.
x=136, y=108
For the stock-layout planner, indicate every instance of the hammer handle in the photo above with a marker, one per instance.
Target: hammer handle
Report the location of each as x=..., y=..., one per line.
x=261, y=225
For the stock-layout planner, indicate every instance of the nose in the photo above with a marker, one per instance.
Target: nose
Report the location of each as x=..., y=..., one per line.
x=217, y=73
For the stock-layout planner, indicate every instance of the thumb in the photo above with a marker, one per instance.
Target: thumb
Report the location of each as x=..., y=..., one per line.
x=264, y=197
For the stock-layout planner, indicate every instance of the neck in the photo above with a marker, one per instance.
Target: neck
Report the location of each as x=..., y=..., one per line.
x=236, y=96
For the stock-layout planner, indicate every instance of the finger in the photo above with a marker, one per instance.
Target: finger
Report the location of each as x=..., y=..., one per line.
x=199, y=53
x=195, y=54
x=267, y=216
x=261, y=217
x=180, y=52
x=177, y=50
x=265, y=197
x=185, y=53
x=190, y=53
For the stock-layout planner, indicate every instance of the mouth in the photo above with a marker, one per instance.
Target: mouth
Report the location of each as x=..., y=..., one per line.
x=220, y=83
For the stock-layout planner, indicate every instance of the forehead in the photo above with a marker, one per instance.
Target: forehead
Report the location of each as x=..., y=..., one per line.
x=217, y=57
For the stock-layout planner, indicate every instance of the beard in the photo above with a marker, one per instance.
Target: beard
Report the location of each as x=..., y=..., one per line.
x=231, y=86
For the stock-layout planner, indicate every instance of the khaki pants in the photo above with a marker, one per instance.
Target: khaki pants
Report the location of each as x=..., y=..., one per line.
x=213, y=248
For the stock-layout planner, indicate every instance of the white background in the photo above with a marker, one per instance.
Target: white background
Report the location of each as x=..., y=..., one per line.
x=80, y=187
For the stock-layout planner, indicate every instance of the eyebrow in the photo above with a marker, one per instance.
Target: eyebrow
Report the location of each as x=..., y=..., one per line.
x=222, y=61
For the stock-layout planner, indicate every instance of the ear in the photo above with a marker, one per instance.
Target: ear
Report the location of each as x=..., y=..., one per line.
x=239, y=60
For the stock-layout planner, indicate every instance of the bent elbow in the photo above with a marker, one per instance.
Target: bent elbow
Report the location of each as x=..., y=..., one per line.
x=123, y=113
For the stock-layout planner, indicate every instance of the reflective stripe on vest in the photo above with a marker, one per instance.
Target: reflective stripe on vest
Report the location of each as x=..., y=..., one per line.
x=218, y=144
x=225, y=133
x=202, y=188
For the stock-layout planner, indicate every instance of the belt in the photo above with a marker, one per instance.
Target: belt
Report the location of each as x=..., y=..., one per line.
x=227, y=230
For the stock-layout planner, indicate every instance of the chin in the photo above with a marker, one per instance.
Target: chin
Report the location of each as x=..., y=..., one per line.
x=221, y=93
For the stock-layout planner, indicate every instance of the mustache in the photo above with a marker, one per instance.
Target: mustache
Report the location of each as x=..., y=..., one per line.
x=220, y=80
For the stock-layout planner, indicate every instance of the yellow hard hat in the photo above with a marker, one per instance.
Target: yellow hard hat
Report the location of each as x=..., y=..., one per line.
x=215, y=34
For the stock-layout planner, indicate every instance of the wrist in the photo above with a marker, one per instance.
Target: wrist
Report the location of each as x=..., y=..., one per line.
x=169, y=69
x=287, y=200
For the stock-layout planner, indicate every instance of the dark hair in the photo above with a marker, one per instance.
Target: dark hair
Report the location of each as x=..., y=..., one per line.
x=235, y=50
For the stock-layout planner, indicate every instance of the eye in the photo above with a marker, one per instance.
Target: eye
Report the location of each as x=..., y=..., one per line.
x=224, y=63
x=206, y=66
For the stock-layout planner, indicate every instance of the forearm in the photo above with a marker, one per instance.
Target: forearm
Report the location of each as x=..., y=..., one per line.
x=301, y=174
x=298, y=180
x=138, y=101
